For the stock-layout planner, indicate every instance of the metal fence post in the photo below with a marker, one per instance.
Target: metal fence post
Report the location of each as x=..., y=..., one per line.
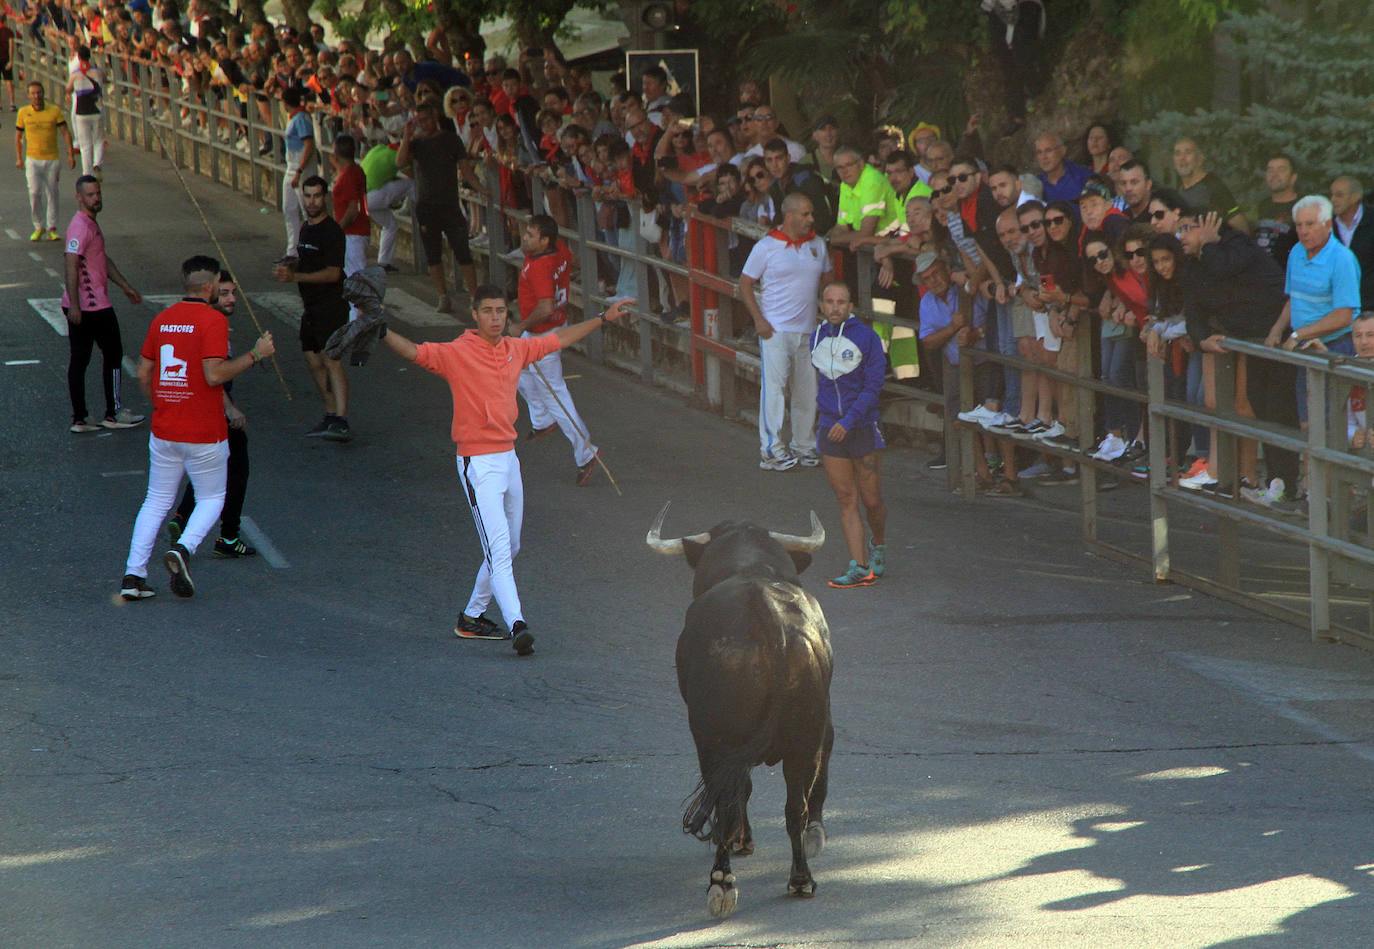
x=1319, y=561
x=1087, y=426
x=1224, y=448
x=958, y=440
x=584, y=211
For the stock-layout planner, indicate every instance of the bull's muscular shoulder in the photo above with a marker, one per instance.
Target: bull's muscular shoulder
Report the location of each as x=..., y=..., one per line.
x=757, y=610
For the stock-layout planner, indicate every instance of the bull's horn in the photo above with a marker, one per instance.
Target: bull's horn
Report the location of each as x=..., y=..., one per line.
x=671, y=547
x=793, y=542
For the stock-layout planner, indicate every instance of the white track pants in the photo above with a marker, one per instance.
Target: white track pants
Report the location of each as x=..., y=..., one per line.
x=293, y=211
x=42, y=174
x=786, y=361
x=379, y=204
x=545, y=409
x=207, y=466
x=89, y=132
x=496, y=495
x=355, y=259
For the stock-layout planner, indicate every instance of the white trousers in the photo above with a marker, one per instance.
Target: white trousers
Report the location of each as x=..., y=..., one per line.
x=545, y=409
x=89, y=132
x=207, y=466
x=786, y=361
x=496, y=495
x=42, y=175
x=355, y=259
x=379, y=204
x=293, y=211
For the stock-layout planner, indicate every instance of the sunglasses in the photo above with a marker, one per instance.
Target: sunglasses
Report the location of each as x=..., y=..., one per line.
x=764, y=116
x=961, y=178
x=1056, y=220
x=1032, y=226
x=1158, y=215
x=941, y=192
x=1140, y=252
x=1100, y=256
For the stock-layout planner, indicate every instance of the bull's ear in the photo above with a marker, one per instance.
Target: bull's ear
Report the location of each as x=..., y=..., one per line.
x=692, y=551
x=801, y=560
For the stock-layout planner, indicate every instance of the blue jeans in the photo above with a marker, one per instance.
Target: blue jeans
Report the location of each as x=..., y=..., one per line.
x=1202, y=435
x=1006, y=345
x=1118, y=369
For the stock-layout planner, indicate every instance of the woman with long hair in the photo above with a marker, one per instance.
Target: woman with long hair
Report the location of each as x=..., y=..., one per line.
x=1166, y=337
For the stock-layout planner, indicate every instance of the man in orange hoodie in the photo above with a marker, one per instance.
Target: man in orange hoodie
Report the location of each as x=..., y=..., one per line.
x=482, y=368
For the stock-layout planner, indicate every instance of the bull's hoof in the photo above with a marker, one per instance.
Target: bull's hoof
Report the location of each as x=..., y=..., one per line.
x=742, y=847
x=813, y=839
x=803, y=889
x=721, y=895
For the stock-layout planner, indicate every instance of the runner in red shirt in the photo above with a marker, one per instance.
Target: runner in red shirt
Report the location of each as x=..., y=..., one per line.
x=544, y=282
x=350, y=207
x=182, y=366
x=483, y=368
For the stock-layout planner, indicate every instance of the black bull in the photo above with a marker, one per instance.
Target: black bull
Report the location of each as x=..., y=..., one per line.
x=754, y=667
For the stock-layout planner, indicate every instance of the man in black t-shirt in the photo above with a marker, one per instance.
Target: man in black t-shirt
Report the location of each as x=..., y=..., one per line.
x=435, y=156
x=1274, y=232
x=319, y=275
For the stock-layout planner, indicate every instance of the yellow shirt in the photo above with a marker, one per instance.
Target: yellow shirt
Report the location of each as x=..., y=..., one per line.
x=40, y=130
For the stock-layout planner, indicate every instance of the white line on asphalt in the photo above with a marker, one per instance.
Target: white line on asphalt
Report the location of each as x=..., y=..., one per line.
x=11, y=233
x=258, y=539
x=123, y=474
x=51, y=310
x=36, y=256
x=50, y=272
x=21, y=362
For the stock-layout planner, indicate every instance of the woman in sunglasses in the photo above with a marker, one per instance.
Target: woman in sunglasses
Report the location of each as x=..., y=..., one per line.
x=758, y=206
x=1123, y=306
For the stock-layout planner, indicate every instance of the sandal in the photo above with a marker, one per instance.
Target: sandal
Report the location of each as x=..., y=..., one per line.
x=1006, y=488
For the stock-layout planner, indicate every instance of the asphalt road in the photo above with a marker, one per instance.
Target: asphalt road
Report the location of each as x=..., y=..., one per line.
x=1034, y=746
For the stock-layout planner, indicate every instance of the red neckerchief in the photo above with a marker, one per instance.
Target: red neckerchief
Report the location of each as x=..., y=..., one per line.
x=294, y=114
x=968, y=210
x=805, y=239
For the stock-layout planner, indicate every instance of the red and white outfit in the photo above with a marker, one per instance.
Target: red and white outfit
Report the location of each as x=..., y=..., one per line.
x=483, y=379
x=350, y=186
x=190, y=433
x=548, y=276
x=789, y=274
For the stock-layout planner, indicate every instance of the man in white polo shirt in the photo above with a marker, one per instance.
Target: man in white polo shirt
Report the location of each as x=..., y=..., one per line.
x=790, y=263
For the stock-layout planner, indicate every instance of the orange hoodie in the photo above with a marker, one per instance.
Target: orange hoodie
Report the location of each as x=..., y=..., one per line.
x=483, y=379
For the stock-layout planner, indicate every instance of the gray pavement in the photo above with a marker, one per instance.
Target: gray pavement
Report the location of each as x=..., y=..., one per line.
x=1034, y=746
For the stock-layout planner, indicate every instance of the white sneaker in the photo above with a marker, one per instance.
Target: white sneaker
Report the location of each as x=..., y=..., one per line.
x=1111, y=448
x=1265, y=497
x=1037, y=470
x=808, y=459
x=1198, y=481
x=984, y=416
x=1054, y=431
x=122, y=419
x=778, y=462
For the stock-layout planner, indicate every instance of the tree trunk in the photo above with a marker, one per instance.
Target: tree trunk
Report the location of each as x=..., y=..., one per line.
x=463, y=31
x=352, y=27
x=398, y=13
x=252, y=12
x=297, y=14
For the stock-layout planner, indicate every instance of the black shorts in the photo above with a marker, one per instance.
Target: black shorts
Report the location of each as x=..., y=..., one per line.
x=7, y=70
x=317, y=326
x=436, y=222
x=859, y=441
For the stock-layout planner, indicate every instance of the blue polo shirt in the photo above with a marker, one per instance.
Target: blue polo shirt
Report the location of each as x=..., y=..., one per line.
x=937, y=314
x=1068, y=187
x=1326, y=282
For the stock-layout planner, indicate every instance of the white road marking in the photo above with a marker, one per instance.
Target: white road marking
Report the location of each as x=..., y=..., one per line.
x=50, y=272
x=123, y=474
x=11, y=233
x=51, y=310
x=21, y=362
x=36, y=256
x=258, y=539
x=1280, y=688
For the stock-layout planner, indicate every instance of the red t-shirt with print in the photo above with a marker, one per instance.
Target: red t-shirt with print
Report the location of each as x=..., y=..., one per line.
x=187, y=408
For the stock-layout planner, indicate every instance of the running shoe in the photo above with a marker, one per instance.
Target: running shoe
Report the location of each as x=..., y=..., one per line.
x=231, y=548
x=1265, y=497
x=37, y=235
x=1037, y=470
x=338, y=430
x=53, y=235
x=1012, y=426
x=778, y=462
x=938, y=463
x=123, y=419
x=81, y=425
x=477, y=628
x=177, y=561
x=135, y=588
x=1053, y=430
x=984, y=416
x=808, y=459
x=535, y=434
x=1110, y=448
x=877, y=558
x=321, y=428
x=1031, y=430
x=584, y=472
x=855, y=576
x=522, y=640
x=1198, y=481
x=1199, y=466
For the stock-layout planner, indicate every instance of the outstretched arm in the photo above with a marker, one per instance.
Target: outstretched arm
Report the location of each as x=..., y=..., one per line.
x=572, y=333
x=400, y=345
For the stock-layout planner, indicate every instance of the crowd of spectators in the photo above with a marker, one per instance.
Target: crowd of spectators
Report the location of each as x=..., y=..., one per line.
x=1034, y=257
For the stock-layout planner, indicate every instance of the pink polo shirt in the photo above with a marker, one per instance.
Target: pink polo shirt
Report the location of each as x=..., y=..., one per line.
x=86, y=242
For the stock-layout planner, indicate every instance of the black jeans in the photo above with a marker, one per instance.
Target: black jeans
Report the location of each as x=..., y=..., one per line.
x=235, y=487
x=97, y=328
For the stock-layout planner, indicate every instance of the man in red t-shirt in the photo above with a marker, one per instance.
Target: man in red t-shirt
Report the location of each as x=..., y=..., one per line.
x=482, y=368
x=543, y=300
x=182, y=366
x=350, y=207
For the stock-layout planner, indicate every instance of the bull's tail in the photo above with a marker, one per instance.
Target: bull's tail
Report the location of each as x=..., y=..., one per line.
x=716, y=807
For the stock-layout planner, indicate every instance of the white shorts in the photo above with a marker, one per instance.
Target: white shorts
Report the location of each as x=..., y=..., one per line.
x=1042, y=332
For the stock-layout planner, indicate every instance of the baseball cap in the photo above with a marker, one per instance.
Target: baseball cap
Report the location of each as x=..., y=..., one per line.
x=924, y=261
x=823, y=121
x=1096, y=188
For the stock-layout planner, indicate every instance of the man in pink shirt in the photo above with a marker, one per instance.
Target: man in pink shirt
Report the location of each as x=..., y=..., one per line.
x=90, y=317
x=482, y=368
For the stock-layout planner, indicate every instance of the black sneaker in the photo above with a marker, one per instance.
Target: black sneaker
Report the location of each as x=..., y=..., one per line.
x=1061, y=442
x=321, y=429
x=938, y=463
x=177, y=561
x=135, y=588
x=234, y=548
x=479, y=628
x=522, y=639
x=1060, y=476
x=1134, y=452
x=338, y=430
